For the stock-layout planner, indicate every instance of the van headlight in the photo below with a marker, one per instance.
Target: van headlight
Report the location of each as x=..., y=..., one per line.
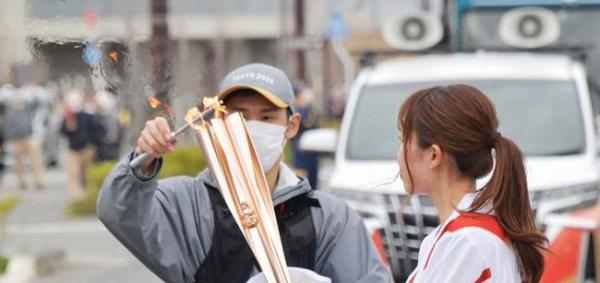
x=358, y=196
x=564, y=199
x=367, y=204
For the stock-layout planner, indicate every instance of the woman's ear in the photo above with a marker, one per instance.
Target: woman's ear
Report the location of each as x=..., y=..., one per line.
x=436, y=156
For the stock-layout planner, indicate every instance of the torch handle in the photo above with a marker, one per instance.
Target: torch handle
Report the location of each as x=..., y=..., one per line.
x=142, y=158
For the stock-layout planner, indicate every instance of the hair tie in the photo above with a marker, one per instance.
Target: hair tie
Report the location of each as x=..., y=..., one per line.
x=495, y=138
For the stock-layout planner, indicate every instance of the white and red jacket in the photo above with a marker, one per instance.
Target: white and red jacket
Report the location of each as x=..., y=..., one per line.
x=468, y=247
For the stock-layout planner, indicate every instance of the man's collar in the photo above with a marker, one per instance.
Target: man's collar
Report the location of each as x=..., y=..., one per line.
x=289, y=186
x=286, y=178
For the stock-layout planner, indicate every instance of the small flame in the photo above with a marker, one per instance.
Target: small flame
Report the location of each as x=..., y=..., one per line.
x=154, y=103
x=114, y=56
x=191, y=115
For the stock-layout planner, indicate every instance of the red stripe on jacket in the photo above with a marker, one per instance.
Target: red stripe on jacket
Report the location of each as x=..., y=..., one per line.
x=470, y=219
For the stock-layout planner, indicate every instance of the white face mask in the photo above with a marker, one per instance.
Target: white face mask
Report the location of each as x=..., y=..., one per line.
x=268, y=140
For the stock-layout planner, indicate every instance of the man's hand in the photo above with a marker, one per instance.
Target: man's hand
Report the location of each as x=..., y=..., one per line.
x=155, y=139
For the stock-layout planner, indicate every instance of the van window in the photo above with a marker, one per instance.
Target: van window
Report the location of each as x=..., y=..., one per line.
x=542, y=116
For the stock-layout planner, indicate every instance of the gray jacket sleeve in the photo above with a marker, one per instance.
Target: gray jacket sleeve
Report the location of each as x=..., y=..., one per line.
x=166, y=224
x=345, y=252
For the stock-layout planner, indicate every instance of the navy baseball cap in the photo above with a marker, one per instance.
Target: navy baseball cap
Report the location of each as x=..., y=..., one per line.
x=272, y=83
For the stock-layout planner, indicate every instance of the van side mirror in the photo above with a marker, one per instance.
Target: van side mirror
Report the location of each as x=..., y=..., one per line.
x=319, y=141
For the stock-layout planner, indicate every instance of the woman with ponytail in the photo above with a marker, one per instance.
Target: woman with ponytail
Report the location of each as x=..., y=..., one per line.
x=486, y=234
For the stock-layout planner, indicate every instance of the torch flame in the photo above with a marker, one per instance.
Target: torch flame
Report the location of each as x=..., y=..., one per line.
x=190, y=116
x=154, y=103
x=217, y=104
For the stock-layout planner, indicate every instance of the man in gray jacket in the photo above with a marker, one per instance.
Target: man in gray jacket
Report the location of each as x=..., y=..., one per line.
x=181, y=229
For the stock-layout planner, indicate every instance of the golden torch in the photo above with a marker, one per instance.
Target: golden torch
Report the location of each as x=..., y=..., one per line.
x=234, y=163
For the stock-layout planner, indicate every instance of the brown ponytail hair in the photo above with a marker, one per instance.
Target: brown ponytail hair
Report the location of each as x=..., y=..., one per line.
x=462, y=121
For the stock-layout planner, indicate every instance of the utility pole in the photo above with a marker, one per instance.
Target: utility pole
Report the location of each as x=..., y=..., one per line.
x=219, y=44
x=425, y=5
x=159, y=43
x=299, y=34
x=214, y=55
x=282, y=45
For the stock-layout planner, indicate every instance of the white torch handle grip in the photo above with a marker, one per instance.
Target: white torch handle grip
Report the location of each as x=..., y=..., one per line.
x=139, y=160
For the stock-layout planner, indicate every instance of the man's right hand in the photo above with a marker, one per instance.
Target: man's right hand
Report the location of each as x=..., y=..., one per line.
x=155, y=139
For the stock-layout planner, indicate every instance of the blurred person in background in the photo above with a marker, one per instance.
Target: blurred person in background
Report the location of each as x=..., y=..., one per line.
x=46, y=124
x=2, y=153
x=81, y=129
x=337, y=103
x=108, y=147
x=306, y=164
x=19, y=112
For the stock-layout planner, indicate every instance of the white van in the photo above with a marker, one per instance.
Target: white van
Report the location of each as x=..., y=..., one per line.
x=543, y=103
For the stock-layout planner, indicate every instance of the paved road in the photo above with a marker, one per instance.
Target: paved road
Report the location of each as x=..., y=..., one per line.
x=39, y=224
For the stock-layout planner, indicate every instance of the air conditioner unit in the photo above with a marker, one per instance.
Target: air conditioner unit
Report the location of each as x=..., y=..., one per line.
x=414, y=31
x=529, y=27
